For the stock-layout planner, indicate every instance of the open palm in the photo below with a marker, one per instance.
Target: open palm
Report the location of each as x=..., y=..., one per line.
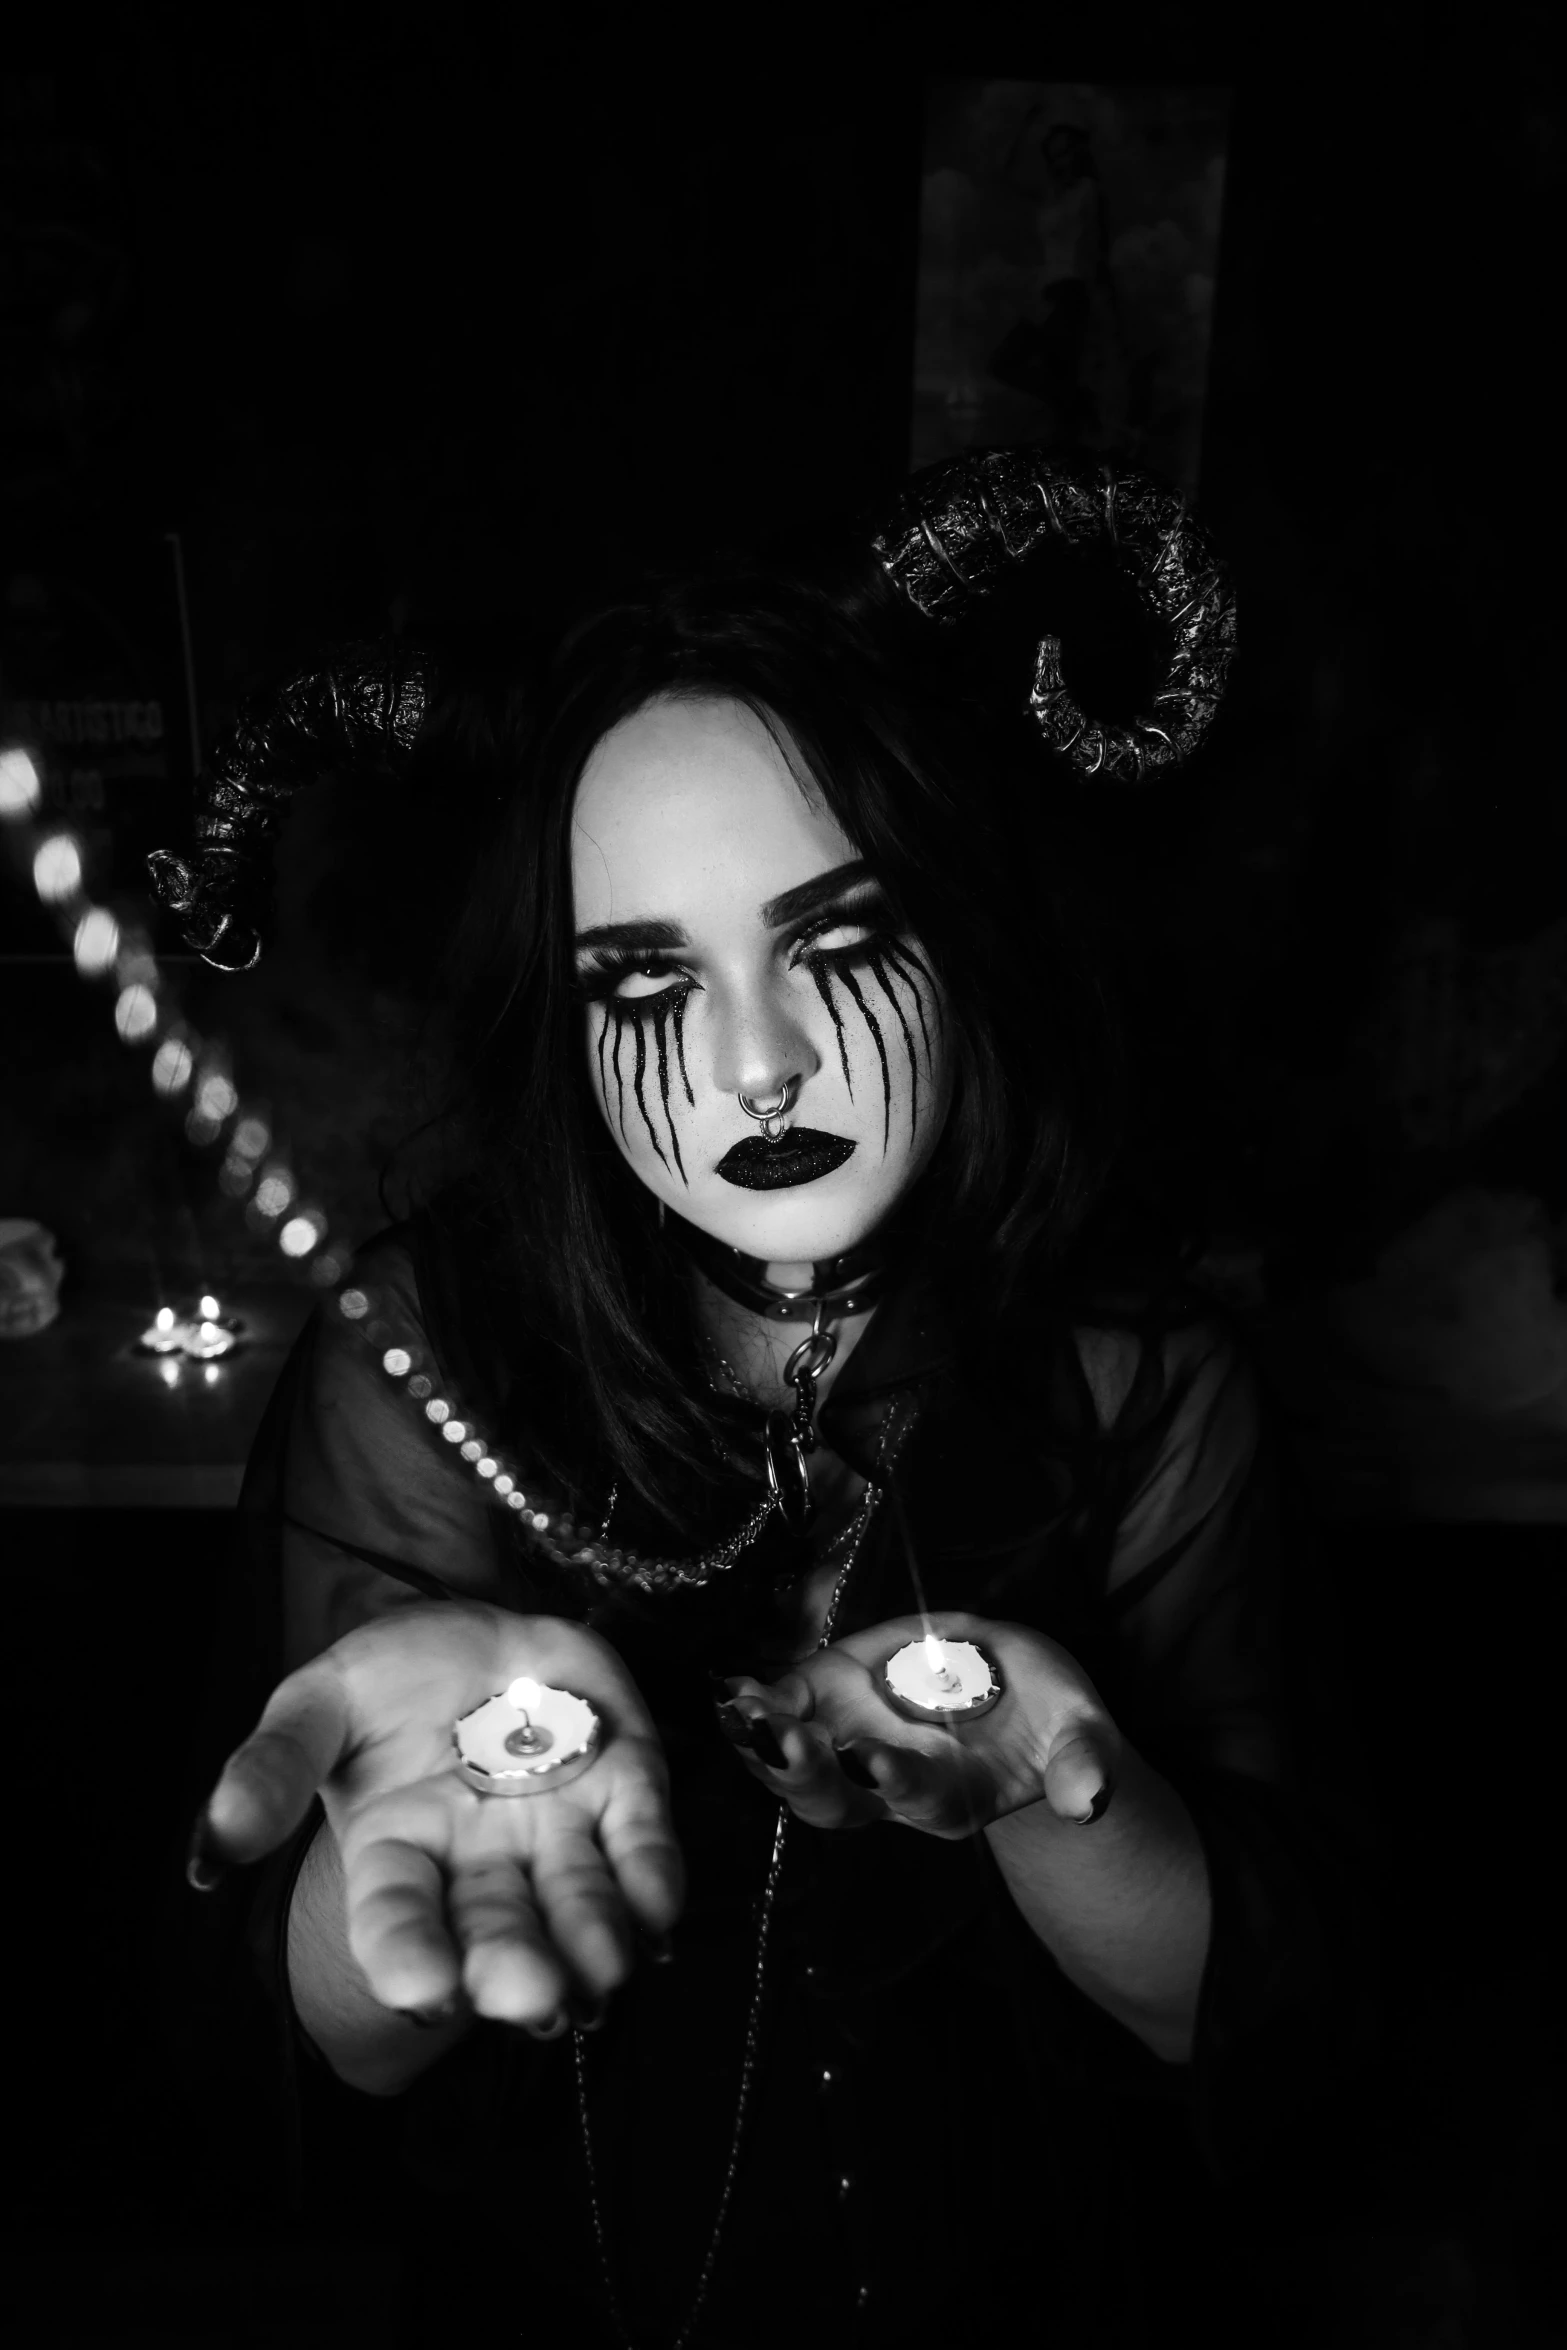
x=524, y=1903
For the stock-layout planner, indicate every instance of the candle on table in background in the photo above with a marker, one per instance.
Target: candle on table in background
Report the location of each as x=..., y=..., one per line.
x=166, y=1333
x=526, y=1739
x=206, y=1340
x=934, y=1680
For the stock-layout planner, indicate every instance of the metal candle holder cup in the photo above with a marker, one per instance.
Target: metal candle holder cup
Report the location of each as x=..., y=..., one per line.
x=966, y=1684
x=526, y=1740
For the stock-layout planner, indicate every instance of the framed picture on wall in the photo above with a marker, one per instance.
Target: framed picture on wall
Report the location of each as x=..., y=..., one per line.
x=1069, y=242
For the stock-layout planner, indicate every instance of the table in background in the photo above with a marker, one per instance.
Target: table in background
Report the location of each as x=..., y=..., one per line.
x=88, y=1423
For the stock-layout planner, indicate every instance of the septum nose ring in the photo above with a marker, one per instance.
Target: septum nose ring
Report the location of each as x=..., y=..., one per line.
x=771, y=1118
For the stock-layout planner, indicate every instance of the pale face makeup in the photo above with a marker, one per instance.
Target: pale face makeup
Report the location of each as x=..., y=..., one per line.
x=729, y=941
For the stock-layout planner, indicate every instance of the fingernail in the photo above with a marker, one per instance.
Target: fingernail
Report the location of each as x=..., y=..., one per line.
x=550, y=2031
x=735, y=1727
x=205, y=1867
x=766, y=1747
x=854, y=1767
x=587, y=2015
x=1095, y=1811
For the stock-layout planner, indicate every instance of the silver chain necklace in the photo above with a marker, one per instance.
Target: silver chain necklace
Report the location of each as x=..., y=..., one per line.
x=894, y=1430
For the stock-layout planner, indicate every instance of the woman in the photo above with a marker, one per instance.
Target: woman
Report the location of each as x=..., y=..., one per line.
x=785, y=1098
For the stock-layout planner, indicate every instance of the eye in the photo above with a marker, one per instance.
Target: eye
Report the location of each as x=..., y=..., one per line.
x=843, y=934
x=636, y=980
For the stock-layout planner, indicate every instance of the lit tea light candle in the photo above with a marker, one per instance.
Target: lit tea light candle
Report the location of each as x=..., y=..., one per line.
x=934, y=1680
x=165, y=1335
x=206, y=1340
x=527, y=1739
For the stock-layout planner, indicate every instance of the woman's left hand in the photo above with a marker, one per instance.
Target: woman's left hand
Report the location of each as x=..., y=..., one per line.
x=1049, y=1739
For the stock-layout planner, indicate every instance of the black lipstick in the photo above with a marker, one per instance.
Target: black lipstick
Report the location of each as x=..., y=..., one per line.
x=801, y=1156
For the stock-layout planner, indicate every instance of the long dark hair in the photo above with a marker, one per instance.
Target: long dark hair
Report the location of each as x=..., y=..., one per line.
x=583, y=1295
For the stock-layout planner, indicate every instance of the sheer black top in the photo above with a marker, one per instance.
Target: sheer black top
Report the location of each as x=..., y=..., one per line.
x=941, y=2122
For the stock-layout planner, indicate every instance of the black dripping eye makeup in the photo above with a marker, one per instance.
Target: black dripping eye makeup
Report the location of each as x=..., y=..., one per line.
x=844, y=935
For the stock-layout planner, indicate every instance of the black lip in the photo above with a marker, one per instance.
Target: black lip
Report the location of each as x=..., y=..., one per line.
x=803, y=1155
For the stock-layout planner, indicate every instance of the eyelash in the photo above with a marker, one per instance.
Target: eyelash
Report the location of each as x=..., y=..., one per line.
x=597, y=985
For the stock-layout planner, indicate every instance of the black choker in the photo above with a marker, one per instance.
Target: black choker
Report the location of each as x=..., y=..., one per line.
x=845, y=1285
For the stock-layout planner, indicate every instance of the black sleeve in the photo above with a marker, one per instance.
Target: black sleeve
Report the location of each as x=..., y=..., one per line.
x=1228, y=1679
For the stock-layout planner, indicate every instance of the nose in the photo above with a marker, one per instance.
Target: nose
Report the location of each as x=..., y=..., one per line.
x=759, y=1049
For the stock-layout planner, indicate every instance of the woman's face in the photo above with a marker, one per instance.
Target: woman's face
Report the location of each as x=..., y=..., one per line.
x=730, y=942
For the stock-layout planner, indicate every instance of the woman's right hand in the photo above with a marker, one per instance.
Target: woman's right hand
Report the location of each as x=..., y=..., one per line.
x=527, y=1904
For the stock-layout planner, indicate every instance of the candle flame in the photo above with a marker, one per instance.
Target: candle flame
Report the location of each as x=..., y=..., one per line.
x=209, y=1309
x=523, y=1693
x=164, y=1318
x=935, y=1654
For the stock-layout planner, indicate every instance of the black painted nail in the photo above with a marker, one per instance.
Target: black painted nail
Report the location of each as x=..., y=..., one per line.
x=765, y=1746
x=1095, y=1811
x=662, y=1952
x=550, y=2031
x=854, y=1767
x=205, y=1867
x=735, y=1726
x=587, y=2015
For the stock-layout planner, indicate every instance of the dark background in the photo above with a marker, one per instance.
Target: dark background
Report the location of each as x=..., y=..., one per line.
x=401, y=324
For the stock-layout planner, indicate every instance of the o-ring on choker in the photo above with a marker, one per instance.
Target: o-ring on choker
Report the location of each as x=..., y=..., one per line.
x=838, y=1285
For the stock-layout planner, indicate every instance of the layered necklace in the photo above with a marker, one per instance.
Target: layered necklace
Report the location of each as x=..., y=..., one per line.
x=895, y=1429
x=843, y=1285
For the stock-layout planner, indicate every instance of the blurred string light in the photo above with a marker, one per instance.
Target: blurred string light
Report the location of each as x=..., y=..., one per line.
x=21, y=787
x=96, y=943
x=251, y=1168
x=57, y=869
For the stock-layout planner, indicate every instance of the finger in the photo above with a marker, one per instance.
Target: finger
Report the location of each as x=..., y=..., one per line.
x=792, y=1694
x=941, y=1793
x=267, y=1784
x=511, y=1969
x=396, y=1927
x=583, y=1911
x=1078, y=1777
x=812, y=1783
x=639, y=1844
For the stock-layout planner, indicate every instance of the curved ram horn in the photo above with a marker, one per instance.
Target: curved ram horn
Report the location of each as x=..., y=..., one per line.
x=962, y=526
x=361, y=702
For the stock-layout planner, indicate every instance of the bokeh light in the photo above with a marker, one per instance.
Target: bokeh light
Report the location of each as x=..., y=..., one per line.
x=215, y=1096
x=398, y=1361
x=250, y=1137
x=20, y=788
x=437, y=1410
x=96, y=942
x=354, y=1305
x=57, y=869
x=172, y=1064
x=136, y=1013
x=454, y=1431
x=301, y=1234
x=274, y=1192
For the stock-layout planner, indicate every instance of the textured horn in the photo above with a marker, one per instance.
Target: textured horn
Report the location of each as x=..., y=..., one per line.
x=360, y=702
x=962, y=526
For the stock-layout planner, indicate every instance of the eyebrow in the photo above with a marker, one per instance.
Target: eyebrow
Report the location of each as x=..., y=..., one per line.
x=807, y=897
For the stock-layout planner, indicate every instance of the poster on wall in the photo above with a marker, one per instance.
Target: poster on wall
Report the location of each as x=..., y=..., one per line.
x=1069, y=237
